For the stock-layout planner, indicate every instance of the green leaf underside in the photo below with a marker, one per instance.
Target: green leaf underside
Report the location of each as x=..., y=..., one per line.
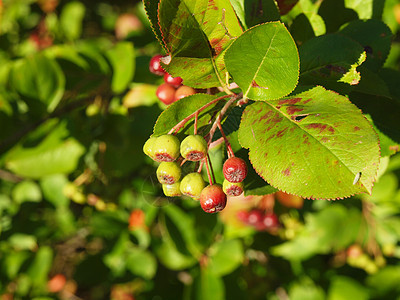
x=151, y=9
x=179, y=110
x=313, y=145
x=269, y=69
x=196, y=34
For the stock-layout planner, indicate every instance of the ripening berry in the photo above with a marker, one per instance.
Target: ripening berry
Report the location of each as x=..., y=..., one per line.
x=155, y=65
x=192, y=185
x=168, y=172
x=254, y=217
x=166, y=93
x=184, y=91
x=212, y=198
x=270, y=220
x=235, y=169
x=194, y=148
x=232, y=188
x=174, y=81
x=148, y=147
x=166, y=148
x=172, y=190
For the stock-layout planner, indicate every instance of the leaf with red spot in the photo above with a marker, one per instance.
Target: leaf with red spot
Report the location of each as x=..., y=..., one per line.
x=313, y=144
x=196, y=35
x=264, y=62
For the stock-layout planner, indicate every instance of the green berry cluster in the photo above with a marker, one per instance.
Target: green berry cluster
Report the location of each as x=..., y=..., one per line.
x=168, y=150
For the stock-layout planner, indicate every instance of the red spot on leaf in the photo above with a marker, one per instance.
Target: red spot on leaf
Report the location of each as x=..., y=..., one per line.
x=291, y=110
x=306, y=101
x=321, y=127
x=280, y=133
x=286, y=172
x=291, y=101
x=267, y=115
x=254, y=84
x=356, y=128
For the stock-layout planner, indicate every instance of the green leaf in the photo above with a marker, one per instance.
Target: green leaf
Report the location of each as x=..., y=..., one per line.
x=185, y=226
x=21, y=241
x=41, y=266
x=71, y=19
x=13, y=262
x=264, y=62
x=384, y=113
x=335, y=14
x=313, y=144
x=171, y=257
x=385, y=280
x=225, y=257
x=151, y=9
x=254, y=12
x=26, y=191
x=208, y=286
x=196, y=35
x=306, y=289
x=122, y=58
x=374, y=36
x=52, y=187
x=342, y=288
x=141, y=262
x=321, y=65
x=306, y=26
x=53, y=155
x=332, y=229
x=40, y=80
x=179, y=110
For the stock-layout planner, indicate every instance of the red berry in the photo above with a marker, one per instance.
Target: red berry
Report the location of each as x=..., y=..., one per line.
x=155, y=65
x=184, y=91
x=174, y=81
x=166, y=93
x=243, y=216
x=235, y=169
x=212, y=198
x=254, y=218
x=270, y=220
x=136, y=219
x=56, y=283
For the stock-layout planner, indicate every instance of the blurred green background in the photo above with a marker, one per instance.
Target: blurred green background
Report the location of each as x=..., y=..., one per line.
x=81, y=214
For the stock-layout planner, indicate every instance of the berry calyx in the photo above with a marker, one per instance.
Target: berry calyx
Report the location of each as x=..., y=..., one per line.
x=192, y=185
x=155, y=65
x=212, y=198
x=235, y=169
x=184, y=91
x=168, y=172
x=172, y=190
x=166, y=93
x=232, y=188
x=166, y=148
x=174, y=81
x=194, y=148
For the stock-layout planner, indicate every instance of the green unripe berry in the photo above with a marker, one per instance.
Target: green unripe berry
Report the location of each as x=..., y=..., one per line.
x=148, y=147
x=232, y=188
x=194, y=148
x=166, y=148
x=192, y=185
x=168, y=172
x=172, y=190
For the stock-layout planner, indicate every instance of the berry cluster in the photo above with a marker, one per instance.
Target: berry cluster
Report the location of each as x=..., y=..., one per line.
x=168, y=150
x=259, y=219
x=172, y=89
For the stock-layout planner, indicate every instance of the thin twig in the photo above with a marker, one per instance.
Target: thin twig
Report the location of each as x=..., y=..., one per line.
x=228, y=145
x=182, y=123
x=211, y=167
x=208, y=172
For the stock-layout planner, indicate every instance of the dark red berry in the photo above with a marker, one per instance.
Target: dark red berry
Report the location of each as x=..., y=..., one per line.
x=243, y=216
x=174, y=81
x=235, y=169
x=166, y=93
x=184, y=91
x=212, y=198
x=155, y=65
